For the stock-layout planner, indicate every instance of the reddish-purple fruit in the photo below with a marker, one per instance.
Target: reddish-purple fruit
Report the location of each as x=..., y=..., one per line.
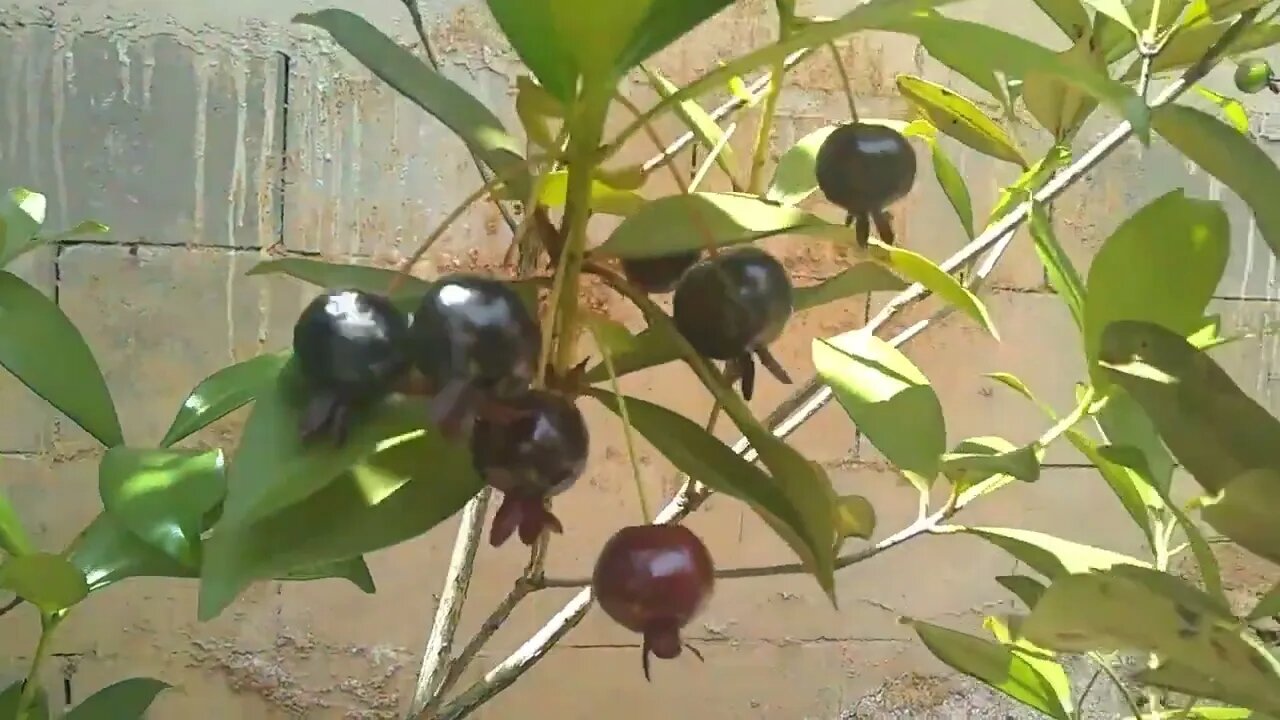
x=654, y=579
x=538, y=450
x=732, y=306
x=864, y=168
x=658, y=275
x=476, y=343
x=351, y=348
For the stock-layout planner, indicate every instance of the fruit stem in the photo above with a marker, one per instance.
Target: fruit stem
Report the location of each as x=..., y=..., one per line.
x=838, y=61
x=584, y=145
x=627, y=431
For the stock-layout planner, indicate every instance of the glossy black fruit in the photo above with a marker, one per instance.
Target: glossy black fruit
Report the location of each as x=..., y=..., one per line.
x=350, y=348
x=731, y=306
x=476, y=344
x=536, y=452
x=659, y=274
x=864, y=168
x=654, y=579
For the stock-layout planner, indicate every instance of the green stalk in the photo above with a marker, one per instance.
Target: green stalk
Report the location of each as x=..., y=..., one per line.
x=776, y=77
x=48, y=623
x=584, y=151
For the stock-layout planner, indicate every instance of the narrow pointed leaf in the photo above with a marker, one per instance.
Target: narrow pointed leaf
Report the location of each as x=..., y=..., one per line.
x=863, y=278
x=781, y=501
x=953, y=186
x=466, y=116
x=1050, y=556
x=340, y=275
x=959, y=117
x=917, y=268
x=665, y=22
x=1028, y=590
x=222, y=393
x=355, y=570
x=699, y=121
x=973, y=480
x=13, y=537
x=995, y=665
x=1060, y=271
x=44, y=350
x=530, y=28
x=889, y=399
x=125, y=700
x=1233, y=111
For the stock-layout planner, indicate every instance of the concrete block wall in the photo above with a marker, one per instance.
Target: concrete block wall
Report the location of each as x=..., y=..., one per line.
x=212, y=136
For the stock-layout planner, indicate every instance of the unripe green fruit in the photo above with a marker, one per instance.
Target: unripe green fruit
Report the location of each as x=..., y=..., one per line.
x=1253, y=75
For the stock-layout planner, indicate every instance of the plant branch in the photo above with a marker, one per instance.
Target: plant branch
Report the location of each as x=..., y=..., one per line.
x=1110, y=672
x=11, y=606
x=437, y=658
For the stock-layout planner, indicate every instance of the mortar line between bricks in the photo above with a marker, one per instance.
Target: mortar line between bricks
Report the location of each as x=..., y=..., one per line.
x=282, y=187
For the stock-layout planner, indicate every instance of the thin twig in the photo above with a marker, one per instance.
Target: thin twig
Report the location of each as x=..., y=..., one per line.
x=1110, y=672
x=814, y=395
x=11, y=606
x=437, y=658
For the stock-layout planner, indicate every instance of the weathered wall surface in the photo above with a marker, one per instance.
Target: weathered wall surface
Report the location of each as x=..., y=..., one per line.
x=212, y=135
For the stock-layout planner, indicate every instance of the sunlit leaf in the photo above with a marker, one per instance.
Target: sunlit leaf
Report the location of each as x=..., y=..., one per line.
x=162, y=495
x=918, y=268
x=604, y=198
x=13, y=537
x=45, y=580
x=106, y=552
x=44, y=350
x=1060, y=271
x=855, y=517
x=960, y=118
x=863, y=278
x=1162, y=265
x=1234, y=159
x=1232, y=110
x=953, y=186
x=995, y=665
x=1048, y=555
x=699, y=121
x=889, y=399
x=222, y=393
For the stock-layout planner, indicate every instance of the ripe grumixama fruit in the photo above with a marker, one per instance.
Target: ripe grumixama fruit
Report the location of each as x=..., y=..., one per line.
x=654, y=579
x=732, y=306
x=350, y=348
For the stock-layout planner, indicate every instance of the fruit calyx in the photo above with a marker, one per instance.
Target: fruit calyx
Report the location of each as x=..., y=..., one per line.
x=654, y=579
x=658, y=275
x=864, y=168
x=476, y=344
x=536, y=451
x=732, y=306
x=350, y=348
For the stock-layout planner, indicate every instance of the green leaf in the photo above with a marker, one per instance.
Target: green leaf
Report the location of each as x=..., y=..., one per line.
x=977, y=479
x=1214, y=430
x=797, y=507
x=22, y=213
x=341, y=275
x=273, y=468
x=125, y=700
x=1056, y=158
x=1116, y=10
x=960, y=118
x=44, y=350
x=106, y=552
x=388, y=498
x=45, y=580
x=222, y=393
x=356, y=570
x=794, y=178
x=1028, y=590
x=889, y=399
x=530, y=28
x=920, y=269
x=699, y=121
x=855, y=517
x=1133, y=492
x=953, y=186
x=863, y=278
x=1050, y=556
x=1268, y=605
x=978, y=51
x=1235, y=160
x=1060, y=271
x=1232, y=110
x=1123, y=422
x=162, y=496
x=1020, y=463
x=647, y=349
x=604, y=198
x=1194, y=681
x=13, y=537
x=444, y=99
x=1190, y=44
x=85, y=228
x=9, y=703
x=1161, y=265
x=1246, y=512
x=1069, y=16
x=1057, y=106
x=1128, y=608
x=993, y=664
x=693, y=221
x=665, y=22
x=1006, y=633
